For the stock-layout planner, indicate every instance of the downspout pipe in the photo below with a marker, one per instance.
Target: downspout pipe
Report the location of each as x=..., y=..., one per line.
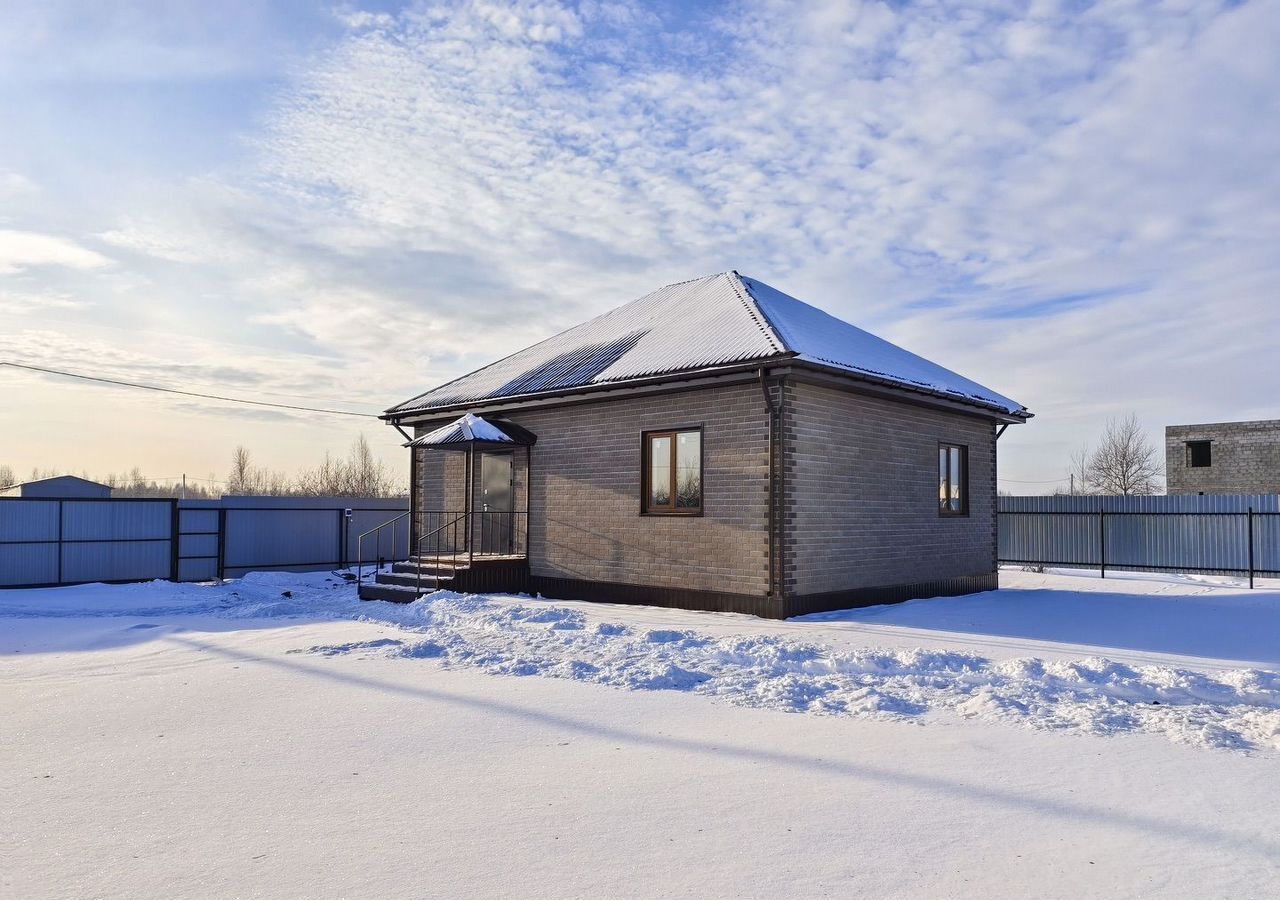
x=772, y=409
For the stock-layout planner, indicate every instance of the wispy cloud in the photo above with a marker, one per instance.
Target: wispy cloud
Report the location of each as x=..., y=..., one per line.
x=1052, y=199
x=1102, y=175
x=22, y=250
x=17, y=303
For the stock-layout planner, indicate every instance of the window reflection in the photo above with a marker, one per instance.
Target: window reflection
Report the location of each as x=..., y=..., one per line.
x=674, y=472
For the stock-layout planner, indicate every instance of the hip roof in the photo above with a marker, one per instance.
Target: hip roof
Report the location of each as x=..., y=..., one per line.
x=692, y=326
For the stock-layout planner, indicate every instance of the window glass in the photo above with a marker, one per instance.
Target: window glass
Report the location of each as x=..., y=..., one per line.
x=953, y=493
x=943, y=469
x=673, y=472
x=955, y=477
x=689, y=470
x=660, y=471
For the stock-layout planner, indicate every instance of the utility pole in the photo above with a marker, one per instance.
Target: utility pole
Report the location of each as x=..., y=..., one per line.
x=1073, y=484
x=184, y=485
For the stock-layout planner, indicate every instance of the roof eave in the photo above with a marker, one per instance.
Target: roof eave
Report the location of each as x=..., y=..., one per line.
x=395, y=414
x=993, y=409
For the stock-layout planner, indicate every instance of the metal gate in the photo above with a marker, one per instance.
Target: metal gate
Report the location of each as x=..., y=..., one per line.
x=47, y=542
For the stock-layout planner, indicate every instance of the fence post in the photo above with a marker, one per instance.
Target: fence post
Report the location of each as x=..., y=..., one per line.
x=222, y=541
x=60, y=542
x=1250, y=548
x=341, y=542
x=1102, y=541
x=175, y=534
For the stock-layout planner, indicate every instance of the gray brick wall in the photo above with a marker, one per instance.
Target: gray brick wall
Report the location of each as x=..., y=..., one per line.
x=862, y=493
x=858, y=495
x=586, y=492
x=1245, y=458
x=441, y=478
x=586, y=476
x=440, y=488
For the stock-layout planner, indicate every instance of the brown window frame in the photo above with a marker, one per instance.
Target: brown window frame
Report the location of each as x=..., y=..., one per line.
x=646, y=443
x=963, y=511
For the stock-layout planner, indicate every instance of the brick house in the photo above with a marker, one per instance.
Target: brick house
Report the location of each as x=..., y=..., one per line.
x=1223, y=458
x=714, y=445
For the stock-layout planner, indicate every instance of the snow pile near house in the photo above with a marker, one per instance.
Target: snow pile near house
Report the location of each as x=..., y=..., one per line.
x=1235, y=709
x=751, y=665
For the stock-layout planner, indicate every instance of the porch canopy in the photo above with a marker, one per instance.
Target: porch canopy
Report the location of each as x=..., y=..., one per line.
x=472, y=429
x=492, y=526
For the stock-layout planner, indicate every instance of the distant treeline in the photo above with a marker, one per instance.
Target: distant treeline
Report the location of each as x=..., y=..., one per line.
x=359, y=474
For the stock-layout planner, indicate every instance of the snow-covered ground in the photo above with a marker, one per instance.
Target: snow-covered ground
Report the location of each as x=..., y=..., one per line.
x=273, y=736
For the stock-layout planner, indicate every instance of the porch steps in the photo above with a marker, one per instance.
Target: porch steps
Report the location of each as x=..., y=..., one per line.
x=403, y=584
x=428, y=567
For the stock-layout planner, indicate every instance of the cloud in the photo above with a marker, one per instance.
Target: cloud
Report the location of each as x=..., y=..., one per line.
x=360, y=19
x=21, y=250
x=187, y=364
x=1052, y=199
x=15, y=184
x=244, y=413
x=16, y=303
x=150, y=242
x=1091, y=191
x=138, y=41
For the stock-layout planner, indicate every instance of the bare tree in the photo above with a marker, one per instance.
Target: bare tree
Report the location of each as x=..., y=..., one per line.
x=1125, y=463
x=1077, y=474
x=6, y=476
x=135, y=485
x=359, y=475
x=329, y=479
x=369, y=476
x=238, y=482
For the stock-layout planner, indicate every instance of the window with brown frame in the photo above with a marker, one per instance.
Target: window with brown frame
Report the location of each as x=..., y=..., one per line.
x=953, y=480
x=672, y=477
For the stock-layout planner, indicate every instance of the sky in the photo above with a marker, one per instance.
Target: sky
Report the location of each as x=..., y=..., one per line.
x=1076, y=204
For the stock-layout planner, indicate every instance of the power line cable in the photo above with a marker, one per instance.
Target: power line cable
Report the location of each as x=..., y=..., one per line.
x=165, y=390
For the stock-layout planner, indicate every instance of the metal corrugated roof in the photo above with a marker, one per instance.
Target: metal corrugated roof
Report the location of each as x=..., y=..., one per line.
x=471, y=428
x=821, y=338
x=693, y=326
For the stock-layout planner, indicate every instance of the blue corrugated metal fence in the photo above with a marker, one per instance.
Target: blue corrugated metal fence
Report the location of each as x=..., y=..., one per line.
x=1214, y=535
x=72, y=541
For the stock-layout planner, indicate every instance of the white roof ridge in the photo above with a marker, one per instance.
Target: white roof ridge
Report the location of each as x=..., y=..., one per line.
x=770, y=331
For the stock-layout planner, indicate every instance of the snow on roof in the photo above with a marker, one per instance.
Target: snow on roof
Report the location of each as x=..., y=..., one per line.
x=821, y=338
x=462, y=431
x=698, y=325
x=693, y=325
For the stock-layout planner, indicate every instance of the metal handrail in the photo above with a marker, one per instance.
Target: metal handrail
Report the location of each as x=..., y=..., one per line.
x=518, y=537
x=453, y=526
x=375, y=530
